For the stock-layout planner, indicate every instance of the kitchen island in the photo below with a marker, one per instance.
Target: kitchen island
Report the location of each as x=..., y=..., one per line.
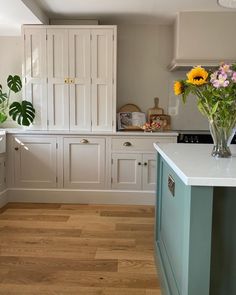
x=196, y=220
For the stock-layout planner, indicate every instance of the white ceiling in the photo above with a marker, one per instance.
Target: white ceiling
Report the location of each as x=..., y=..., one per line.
x=125, y=11
x=14, y=13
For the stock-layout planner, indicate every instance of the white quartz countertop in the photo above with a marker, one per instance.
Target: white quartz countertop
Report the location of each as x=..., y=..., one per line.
x=194, y=164
x=67, y=132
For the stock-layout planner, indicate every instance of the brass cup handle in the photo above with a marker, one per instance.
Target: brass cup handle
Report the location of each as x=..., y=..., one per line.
x=127, y=143
x=84, y=141
x=16, y=148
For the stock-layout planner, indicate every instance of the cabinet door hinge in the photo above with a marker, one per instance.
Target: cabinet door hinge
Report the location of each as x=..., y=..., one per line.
x=46, y=37
x=47, y=80
x=24, y=37
x=111, y=161
x=91, y=37
x=48, y=122
x=56, y=179
x=113, y=38
x=111, y=180
x=56, y=145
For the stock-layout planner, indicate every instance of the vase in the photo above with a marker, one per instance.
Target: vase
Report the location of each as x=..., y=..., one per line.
x=222, y=137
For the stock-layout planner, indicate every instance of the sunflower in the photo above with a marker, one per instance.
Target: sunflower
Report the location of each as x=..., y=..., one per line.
x=197, y=76
x=178, y=87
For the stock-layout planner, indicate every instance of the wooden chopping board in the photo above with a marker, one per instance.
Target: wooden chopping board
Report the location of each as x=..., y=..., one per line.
x=155, y=110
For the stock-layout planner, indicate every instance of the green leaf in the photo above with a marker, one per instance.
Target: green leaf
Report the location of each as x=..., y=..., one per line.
x=3, y=97
x=3, y=117
x=23, y=113
x=14, y=83
x=214, y=109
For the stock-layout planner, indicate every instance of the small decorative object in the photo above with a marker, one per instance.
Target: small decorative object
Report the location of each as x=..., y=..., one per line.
x=164, y=120
x=152, y=127
x=216, y=99
x=155, y=110
x=22, y=112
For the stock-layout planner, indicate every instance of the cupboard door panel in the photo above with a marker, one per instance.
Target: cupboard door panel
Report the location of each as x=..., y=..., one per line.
x=58, y=90
x=79, y=71
x=126, y=171
x=149, y=172
x=35, y=162
x=35, y=73
x=102, y=79
x=84, y=163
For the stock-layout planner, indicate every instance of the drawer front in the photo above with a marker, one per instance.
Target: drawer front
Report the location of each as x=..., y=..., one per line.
x=138, y=144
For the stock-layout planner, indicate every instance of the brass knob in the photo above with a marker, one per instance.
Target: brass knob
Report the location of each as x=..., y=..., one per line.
x=66, y=80
x=84, y=141
x=16, y=148
x=127, y=143
x=72, y=81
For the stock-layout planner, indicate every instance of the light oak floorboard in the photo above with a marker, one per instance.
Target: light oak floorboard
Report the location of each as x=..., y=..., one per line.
x=68, y=249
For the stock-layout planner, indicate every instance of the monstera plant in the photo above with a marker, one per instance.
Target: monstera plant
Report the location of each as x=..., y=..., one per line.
x=22, y=112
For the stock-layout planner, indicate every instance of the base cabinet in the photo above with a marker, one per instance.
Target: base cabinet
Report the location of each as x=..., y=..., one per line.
x=134, y=171
x=84, y=163
x=35, y=162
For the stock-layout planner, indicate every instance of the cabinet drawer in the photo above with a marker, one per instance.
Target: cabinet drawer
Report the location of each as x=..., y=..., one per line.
x=136, y=144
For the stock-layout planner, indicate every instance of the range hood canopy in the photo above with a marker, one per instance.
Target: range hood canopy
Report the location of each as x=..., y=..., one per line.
x=203, y=38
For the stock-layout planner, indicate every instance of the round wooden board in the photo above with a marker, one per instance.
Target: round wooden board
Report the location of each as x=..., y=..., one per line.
x=129, y=108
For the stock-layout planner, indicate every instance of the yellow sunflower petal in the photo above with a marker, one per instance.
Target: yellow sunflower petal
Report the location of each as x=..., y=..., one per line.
x=197, y=76
x=178, y=88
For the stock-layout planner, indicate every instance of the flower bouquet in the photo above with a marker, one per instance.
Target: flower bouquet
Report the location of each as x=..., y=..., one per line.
x=216, y=99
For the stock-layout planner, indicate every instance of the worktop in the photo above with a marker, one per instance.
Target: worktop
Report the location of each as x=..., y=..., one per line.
x=26, y=131
x=194, y=164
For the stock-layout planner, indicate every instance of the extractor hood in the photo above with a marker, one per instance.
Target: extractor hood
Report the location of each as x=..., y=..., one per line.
x=203, y=38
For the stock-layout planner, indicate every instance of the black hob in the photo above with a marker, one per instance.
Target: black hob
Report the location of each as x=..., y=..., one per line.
x=189, y=137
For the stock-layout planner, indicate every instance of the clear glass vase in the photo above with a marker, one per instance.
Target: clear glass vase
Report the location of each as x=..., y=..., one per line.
x=222, y=137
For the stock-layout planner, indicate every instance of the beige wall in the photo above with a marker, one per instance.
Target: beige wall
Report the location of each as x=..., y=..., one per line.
x=144, y=52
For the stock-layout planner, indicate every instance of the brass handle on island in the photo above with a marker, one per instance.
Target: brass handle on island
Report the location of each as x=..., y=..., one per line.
x=84, y=141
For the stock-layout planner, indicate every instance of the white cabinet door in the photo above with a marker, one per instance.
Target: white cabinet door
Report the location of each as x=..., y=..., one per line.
x=80, y=82
x=149, y=172
x=58, y=89
x=102, y=76
x=35, y=74
x=84, y=163
x=127, y=171
x=2, y=174
x=35, y=162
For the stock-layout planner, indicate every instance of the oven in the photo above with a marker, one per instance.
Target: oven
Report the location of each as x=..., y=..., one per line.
x=197, y=137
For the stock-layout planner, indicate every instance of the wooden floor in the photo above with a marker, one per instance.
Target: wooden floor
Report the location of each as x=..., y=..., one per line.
x=77, y=249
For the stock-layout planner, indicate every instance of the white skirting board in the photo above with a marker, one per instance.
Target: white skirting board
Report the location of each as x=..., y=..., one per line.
x=81, y=196
x=3, y=198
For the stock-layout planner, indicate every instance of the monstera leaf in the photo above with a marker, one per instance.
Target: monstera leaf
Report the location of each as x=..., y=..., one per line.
x=14, y=83
x=3, y=117
x=3, y=96
x=23, y=113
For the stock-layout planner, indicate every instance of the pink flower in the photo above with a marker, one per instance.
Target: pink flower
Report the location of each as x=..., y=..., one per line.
x=220, y=81
x=234, y=77
x=225, y=68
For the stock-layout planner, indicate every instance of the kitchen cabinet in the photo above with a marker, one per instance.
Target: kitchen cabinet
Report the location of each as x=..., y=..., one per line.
x=70, y=76
x=35, y=74
x=2, y=173
x=133, y=171
x=134, y=162
x=35, y=161
x=84, y=163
